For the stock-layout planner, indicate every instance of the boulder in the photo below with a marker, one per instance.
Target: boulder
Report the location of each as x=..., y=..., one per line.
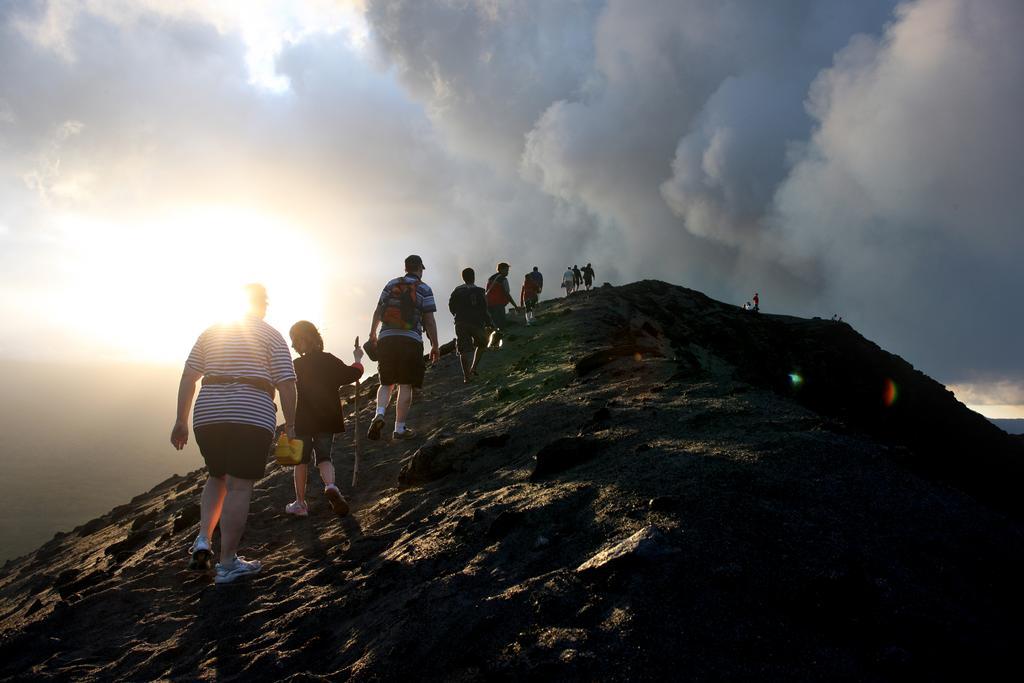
x=431, y=461
x=646, y=544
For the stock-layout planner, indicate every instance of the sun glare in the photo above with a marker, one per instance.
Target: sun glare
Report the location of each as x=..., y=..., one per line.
x=144, y=293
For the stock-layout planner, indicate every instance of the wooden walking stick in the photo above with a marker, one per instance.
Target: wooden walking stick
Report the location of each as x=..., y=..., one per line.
x=358, y=444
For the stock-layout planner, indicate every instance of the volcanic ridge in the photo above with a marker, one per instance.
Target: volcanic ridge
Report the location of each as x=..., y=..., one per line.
x=646, y=484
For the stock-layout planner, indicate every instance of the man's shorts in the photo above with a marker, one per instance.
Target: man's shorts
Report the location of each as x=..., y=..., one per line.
x=318, y=445
x=530, y=303
x=400, y=361
x=497, y=315
x=236, y=449
x=470, y=337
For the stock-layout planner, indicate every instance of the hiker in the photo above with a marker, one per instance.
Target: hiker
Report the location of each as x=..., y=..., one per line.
x=318, y=418
x=567, y=281
x=757, y=303
x=577, y=278
x=588, y=276
x=241, y=364
x=468, y=303
x=405, y=308
x=533, y=284
x=498, y=295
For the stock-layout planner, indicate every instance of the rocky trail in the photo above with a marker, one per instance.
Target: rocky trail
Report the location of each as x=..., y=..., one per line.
x=647, y=484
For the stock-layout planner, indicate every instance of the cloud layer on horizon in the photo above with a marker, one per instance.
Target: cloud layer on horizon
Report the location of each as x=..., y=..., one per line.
x=858, y=158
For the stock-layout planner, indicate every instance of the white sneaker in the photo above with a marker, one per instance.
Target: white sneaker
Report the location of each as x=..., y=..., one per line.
x=296, y=508
x=240, y=568
x=337, y=501
x=202, y=555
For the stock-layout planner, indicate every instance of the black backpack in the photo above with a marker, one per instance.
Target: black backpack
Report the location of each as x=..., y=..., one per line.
x=466, y=301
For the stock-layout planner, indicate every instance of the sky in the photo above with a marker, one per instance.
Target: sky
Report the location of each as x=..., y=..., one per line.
x=858, y=158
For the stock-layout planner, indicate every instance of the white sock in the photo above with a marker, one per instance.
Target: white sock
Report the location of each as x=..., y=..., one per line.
x=399, y=427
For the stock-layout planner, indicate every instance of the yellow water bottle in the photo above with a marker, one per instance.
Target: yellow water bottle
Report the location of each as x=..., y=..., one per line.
x=288, y=451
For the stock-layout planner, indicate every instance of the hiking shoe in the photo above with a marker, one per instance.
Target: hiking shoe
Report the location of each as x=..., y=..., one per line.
x=202, y=556
x=296, y=508
x=239, y=569
x=376, y=426
x=401, y=436
x=336, y=500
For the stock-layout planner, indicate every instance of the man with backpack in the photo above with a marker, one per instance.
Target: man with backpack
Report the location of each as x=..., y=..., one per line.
x=468, y=303
x=533, y=284
x=498, y=295
x=405, y=308
x=577, y=278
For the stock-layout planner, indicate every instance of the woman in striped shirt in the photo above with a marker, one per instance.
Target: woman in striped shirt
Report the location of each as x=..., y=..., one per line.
x=241, y=364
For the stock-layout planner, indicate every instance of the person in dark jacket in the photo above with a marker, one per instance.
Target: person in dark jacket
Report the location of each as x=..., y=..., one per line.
x=468, y=303
x=588, y=276
x=318, y=416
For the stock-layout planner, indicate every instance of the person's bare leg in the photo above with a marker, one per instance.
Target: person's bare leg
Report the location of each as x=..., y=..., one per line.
x=467, y=361
x=233, y=515
x=300, y=476
x=384, y=397
x=403, y=403
x=210, y=505
x=478, y=353
x=326, y=472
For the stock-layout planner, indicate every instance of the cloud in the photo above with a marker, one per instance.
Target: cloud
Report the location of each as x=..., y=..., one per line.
x=850, y=157
x=905, y=193
x=486, y=70
x=860, y=158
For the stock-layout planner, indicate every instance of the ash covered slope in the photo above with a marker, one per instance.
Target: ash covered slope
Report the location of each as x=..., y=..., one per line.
x=633, y=490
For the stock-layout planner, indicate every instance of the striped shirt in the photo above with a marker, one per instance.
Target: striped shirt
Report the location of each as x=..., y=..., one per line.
x=424, y=304
x=246, y=348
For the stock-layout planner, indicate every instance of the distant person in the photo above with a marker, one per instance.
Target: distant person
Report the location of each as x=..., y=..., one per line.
x=568, y=281
x=577, y=278
x=499, y=294
x=405, y=308
x=241, y=364
x=468, y=304
x=757, y=302
x=318, y=417
x=529, y=295
x=588, y=276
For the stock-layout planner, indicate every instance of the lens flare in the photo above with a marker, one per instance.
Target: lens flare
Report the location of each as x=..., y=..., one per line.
x=890, y=393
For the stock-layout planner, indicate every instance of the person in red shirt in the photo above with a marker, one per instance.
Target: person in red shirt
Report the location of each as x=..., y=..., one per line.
x=533, y=284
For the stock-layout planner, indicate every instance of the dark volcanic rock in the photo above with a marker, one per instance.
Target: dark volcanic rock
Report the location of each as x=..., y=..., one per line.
x=431, y=461
x=563, y=454
x=803, y=531
x=187, y=517
x=646, y=544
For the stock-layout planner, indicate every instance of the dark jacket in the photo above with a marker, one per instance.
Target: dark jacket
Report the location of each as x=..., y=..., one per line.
x=320, y=375
x=468, y=304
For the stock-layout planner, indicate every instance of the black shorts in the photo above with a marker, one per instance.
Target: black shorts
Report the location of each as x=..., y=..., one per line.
x=497, y=315
x=470, y=337
x=320, y=444
x=400, y=361
x=530, y=302
x=236, y=449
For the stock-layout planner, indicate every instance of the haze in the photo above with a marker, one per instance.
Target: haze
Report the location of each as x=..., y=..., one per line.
x=854, y=158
